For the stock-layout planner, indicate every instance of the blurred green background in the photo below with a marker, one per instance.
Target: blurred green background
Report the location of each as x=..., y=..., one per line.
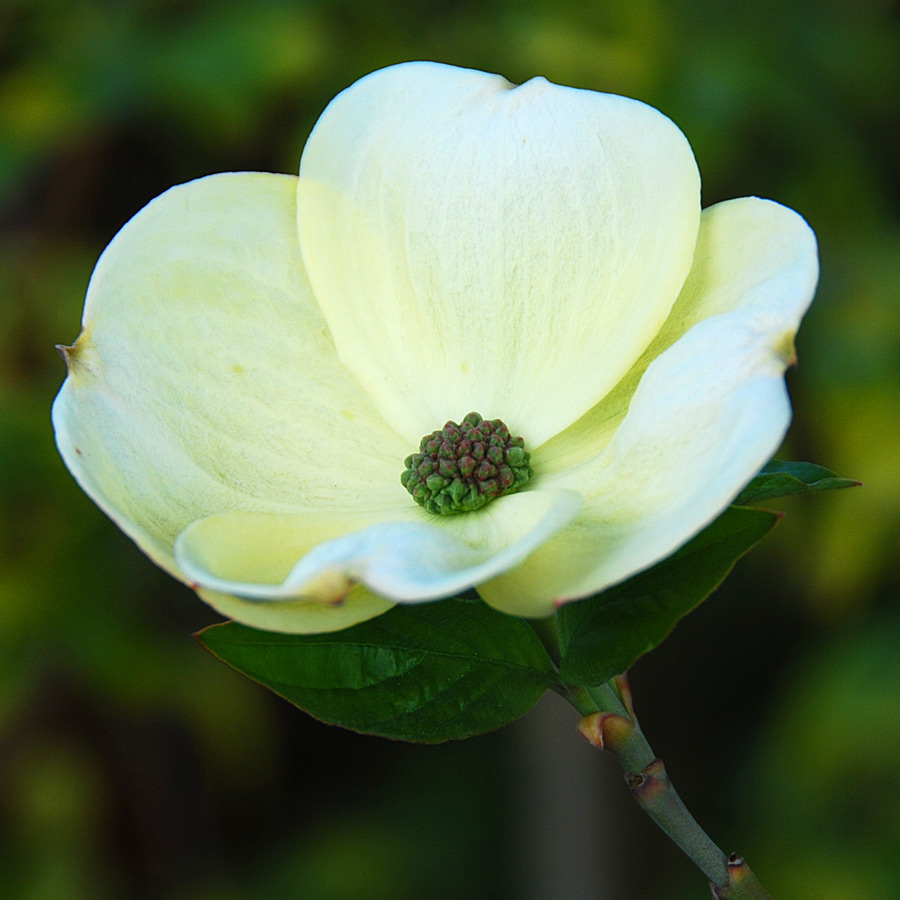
x=132, y=765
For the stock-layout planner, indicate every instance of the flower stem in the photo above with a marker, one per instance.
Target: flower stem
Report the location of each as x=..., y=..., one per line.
x=614, y=727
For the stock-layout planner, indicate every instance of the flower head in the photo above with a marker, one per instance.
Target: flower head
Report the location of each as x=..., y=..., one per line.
x=463, y=467
x=260, y=354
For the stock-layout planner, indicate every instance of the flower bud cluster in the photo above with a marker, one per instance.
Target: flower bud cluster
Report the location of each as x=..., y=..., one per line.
x=464, y=466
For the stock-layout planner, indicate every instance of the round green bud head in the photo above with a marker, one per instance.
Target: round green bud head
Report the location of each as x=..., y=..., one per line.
x=463, y=467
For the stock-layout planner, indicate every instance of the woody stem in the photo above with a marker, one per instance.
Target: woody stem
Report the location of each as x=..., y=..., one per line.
x=612, y=726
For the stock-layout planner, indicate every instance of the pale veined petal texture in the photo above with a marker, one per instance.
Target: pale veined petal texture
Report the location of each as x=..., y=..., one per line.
x=479, y=246
x=205, y=380
x=702, y=417
x=303, y=572
x=750, y=253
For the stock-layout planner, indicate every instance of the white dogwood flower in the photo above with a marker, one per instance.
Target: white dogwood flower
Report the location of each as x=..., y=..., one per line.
x=262, y=354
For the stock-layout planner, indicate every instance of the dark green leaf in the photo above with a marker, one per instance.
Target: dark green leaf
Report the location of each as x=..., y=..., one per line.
x=431, y=672
x=779, y=479
x=604, y=635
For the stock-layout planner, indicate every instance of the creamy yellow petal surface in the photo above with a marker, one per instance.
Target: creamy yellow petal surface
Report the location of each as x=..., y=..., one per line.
x=276, y=559
x=205, y=379
x=705, y=415
x=750, y=252
x=480, y=246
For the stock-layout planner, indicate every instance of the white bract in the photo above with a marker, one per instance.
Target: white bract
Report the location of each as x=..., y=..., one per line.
x=261, y=352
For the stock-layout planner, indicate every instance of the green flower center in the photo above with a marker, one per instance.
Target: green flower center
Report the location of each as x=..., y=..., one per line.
x=463, y=467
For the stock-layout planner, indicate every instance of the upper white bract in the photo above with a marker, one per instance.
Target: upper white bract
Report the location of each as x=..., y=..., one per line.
x=261, y=352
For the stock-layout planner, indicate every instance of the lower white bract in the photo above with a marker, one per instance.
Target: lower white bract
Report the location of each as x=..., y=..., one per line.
x=261, y=352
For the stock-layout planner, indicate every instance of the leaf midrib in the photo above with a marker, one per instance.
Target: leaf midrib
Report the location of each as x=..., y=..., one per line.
x=509, y=664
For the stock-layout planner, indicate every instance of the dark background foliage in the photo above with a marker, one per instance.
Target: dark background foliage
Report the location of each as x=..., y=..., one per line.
x=132, y=765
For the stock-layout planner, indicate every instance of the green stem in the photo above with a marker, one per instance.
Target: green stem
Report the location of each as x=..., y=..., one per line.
x=613, y=726
x=547, y=630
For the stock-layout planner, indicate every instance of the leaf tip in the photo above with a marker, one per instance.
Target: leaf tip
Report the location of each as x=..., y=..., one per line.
x=200, y=636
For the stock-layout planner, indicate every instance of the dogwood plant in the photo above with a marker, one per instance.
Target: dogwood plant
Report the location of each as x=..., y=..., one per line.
x=485, y=340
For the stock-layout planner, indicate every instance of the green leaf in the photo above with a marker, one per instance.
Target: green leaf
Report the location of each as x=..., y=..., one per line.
x=780, y=478
x=604, y=635
x=431, y=672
